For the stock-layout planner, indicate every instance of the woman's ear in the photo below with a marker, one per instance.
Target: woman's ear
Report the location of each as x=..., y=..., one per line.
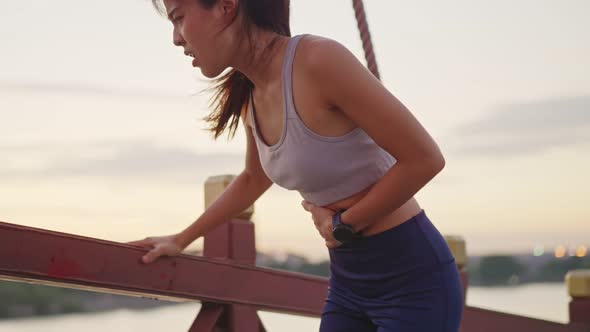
x=229, y=10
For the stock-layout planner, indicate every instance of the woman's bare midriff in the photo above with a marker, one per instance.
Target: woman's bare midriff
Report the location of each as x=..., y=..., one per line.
x=396, y=218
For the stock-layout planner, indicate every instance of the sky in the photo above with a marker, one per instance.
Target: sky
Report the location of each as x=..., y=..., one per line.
x=101, y=130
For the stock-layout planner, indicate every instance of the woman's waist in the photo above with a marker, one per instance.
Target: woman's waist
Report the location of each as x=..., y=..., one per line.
x=393, y=219
x=402, y=214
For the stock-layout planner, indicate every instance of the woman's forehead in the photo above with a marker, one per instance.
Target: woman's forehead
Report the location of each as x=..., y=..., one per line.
x=171, y=4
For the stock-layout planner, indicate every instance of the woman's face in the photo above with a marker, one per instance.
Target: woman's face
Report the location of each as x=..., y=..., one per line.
x=203, y=33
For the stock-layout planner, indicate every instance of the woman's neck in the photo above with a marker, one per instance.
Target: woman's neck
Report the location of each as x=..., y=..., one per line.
x=261, y=60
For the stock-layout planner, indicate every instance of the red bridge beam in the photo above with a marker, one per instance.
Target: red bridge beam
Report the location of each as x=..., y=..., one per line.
x=41, y=256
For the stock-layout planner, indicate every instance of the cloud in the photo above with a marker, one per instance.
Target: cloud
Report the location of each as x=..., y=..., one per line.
x=81, y=88
x=126, y=159
x=525, y=128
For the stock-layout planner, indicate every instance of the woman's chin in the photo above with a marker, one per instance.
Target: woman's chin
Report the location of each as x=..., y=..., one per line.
x=209, y=73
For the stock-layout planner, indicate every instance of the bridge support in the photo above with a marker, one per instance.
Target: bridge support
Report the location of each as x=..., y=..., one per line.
x=235, y=241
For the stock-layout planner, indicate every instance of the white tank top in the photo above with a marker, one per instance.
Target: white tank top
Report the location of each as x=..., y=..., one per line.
x=324, y=169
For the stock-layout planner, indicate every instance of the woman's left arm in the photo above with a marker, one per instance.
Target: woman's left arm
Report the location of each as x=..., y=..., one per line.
x=347, y=85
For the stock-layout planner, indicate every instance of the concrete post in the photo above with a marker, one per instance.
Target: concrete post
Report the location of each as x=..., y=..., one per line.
x=578, y=286
x=458, y=248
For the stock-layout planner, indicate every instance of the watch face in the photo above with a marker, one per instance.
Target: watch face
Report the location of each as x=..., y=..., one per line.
x=343, y=234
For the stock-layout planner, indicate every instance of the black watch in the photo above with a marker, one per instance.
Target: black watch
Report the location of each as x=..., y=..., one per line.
x=342, y=232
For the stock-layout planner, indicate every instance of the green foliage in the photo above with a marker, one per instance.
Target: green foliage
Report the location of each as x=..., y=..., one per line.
x=43, y=300
x=557, y=269
x=321, y=269
x=499, y=269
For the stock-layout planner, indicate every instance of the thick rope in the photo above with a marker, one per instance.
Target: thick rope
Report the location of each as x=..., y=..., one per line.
x=363, y=26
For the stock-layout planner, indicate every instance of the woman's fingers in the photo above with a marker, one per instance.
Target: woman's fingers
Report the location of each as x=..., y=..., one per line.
x=322, y=220
x=145, y=242
x=332, y=244
x=307, y=206
x=152, y=255
x=159, y=246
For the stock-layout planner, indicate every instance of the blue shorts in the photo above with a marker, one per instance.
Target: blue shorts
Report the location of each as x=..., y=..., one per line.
x=403, y=279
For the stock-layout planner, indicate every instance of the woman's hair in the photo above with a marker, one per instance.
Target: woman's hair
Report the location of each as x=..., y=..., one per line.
x=232, y=89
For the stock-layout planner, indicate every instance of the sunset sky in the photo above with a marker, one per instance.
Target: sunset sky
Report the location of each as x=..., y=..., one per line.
x=101, y=131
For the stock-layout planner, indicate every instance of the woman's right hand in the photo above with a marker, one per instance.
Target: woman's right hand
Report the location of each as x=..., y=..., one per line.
x=160, y=246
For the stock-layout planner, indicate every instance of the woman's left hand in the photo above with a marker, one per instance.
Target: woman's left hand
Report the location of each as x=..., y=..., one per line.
x=322, y=218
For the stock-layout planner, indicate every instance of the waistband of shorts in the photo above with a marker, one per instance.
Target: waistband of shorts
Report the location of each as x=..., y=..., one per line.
x=392, y=234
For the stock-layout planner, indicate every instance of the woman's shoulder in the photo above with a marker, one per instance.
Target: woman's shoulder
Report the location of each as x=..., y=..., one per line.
x=319, y=45
x=314, y=53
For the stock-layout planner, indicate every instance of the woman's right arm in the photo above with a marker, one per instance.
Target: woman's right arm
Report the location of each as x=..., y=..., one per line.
x=241, y=193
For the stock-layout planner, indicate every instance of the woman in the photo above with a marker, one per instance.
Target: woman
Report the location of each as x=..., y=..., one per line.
x=318, y=122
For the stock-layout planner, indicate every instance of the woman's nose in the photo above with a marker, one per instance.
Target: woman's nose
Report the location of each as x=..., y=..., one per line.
x=177, y=38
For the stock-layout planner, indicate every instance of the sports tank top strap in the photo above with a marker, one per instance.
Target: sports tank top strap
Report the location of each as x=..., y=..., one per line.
x=287, y=82
x=287, y=76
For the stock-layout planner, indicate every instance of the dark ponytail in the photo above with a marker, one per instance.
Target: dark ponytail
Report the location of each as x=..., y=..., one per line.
x=232, y=90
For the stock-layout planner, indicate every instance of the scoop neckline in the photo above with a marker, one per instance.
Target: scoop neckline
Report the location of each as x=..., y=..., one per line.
x=284, y=106
x=260, y=138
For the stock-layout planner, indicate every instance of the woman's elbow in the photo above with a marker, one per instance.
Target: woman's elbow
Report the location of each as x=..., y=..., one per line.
x=437, y=163
x=431, y=163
